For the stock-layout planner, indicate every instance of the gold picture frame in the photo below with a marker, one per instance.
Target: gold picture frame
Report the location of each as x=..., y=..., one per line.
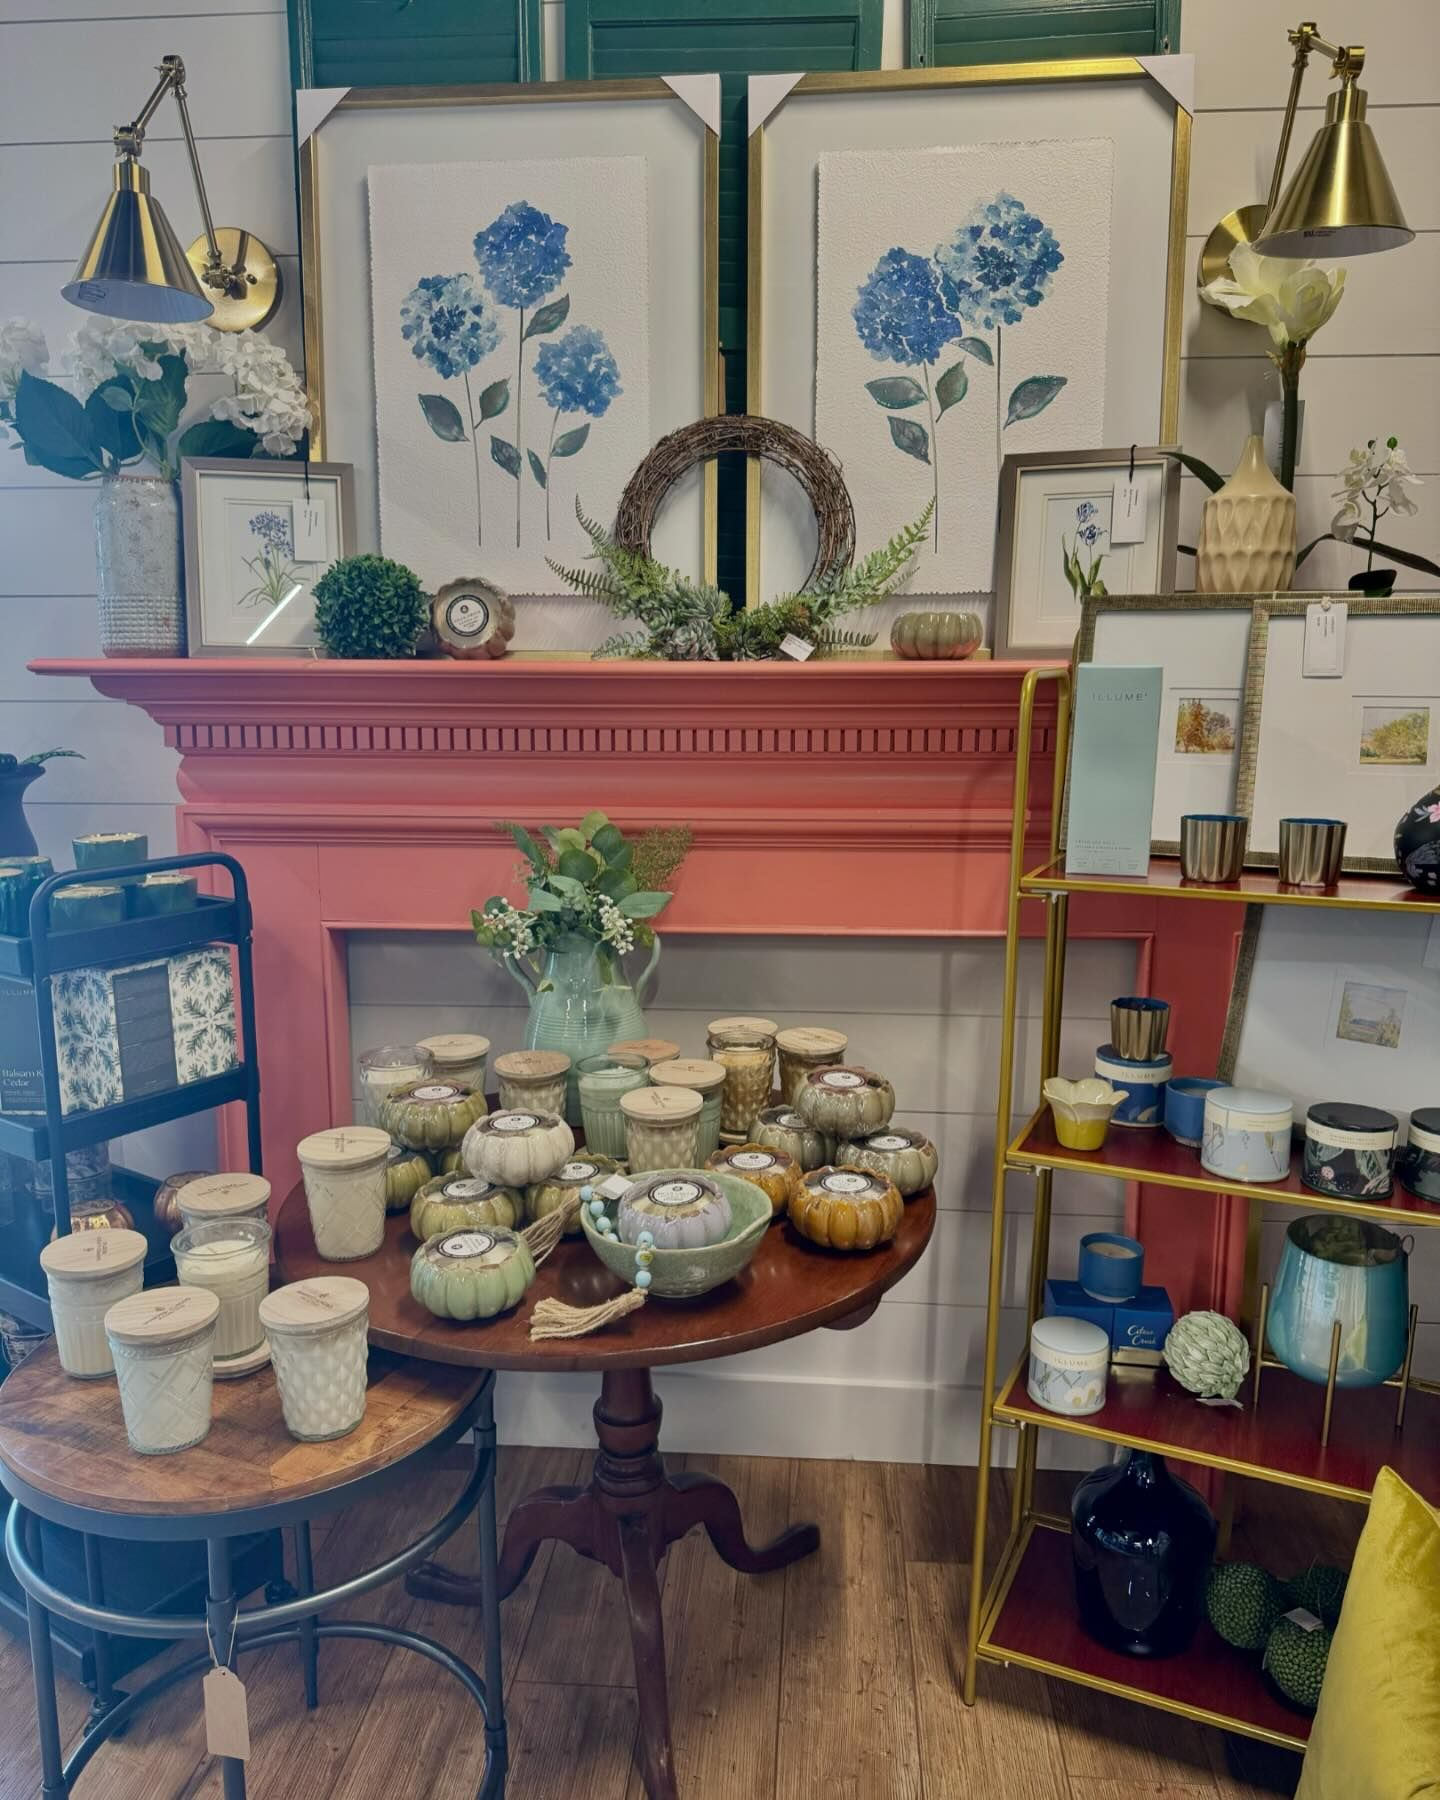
x=414, y=103
x=1106, y=72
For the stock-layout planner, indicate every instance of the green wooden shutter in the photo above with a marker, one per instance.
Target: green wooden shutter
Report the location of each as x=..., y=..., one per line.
x=735, y=38
x=944, y=32
x=413, y=43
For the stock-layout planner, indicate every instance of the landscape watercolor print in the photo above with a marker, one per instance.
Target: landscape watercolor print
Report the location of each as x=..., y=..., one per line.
x=511, y=317
x=961, y=317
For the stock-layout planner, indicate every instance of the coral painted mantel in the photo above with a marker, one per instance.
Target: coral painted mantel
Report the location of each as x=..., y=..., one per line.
x=844, y=798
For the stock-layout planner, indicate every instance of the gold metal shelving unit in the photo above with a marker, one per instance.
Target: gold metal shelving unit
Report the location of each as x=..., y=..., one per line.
x=1026, y=1614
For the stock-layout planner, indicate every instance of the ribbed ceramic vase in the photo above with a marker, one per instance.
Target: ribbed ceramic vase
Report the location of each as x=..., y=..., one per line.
x=138, y=567
x=1247, y=531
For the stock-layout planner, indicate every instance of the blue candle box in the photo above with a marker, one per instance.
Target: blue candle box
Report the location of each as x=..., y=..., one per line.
x=1141, y=1324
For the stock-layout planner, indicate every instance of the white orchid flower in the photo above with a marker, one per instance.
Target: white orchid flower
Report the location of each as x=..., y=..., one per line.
x=1291, y=299
x=1376, y=478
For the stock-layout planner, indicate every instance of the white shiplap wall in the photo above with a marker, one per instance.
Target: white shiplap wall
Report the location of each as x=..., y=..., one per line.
x=69, y=68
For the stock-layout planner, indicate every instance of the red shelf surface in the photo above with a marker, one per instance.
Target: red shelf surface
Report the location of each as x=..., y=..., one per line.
x=1278, y=1442
x=1130, y=1155
x=1260, y=887
x=1038, y=1625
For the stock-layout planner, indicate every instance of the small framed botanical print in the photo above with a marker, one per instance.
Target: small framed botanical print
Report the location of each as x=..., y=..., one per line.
x=1107, y=516
x=258, y=536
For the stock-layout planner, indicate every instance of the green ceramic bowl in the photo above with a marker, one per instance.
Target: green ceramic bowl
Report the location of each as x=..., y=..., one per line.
x=681, y=1274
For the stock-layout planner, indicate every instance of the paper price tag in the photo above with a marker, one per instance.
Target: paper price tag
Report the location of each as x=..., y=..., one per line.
x=1324, y=651
x=614, y=1187
x=1304, y=1619
x=1127, y=513
x=796, y=647
x=307, y=518
x=227, y=1714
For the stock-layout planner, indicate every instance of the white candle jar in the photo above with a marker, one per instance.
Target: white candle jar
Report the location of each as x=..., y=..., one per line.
x=533, y=1081
x=87, y=1272
x=316, y=1330
x=390, y=1066
x=344, y=1174
x=232, y=1259
x=163, y=1343
x=459, y=1056
x=661, y=1127
x=229, y=1195
x=707, y=1079
x=602, y=1082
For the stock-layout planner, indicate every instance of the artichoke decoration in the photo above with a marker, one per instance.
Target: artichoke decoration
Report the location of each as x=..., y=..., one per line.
x=1207, y=1355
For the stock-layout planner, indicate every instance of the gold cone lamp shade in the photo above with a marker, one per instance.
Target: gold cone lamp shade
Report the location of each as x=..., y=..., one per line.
x=133, y=267
x=1340, y=201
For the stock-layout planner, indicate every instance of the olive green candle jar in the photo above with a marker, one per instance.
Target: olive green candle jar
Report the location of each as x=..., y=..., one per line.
x=471, y=1275
x=803, y=1048
x=533, y=1080
x=782, y=1128
x=430, y=1114
x=748, y=1057
x=110, y=849
x=406, y=1172
x=661, y=1125
x=702, y=1077
x=602, y=1082
x=847, y=1101
x=544, y=1197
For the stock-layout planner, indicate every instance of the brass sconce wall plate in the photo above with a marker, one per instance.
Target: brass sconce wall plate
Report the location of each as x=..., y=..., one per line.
x=249, y=288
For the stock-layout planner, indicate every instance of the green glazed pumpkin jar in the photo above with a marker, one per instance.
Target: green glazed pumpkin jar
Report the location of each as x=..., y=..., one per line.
x=430, y=1114
x=463, y=1203
x=584, y=1170
x=471, y=1274
x=936, y=636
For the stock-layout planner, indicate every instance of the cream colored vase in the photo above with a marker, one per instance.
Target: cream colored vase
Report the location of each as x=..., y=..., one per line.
x=1247, y=532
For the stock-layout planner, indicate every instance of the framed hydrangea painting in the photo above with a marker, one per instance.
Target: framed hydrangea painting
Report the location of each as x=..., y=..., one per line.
x=510, y=316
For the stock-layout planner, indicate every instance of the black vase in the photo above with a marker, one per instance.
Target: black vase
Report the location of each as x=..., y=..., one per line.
x=16, y=837
x=1417, y=843
x=1143, y=1541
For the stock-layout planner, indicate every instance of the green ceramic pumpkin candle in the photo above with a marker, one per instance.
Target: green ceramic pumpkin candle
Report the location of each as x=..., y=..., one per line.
x=782, y=1128
x=846, y=1101
x=585, y=1170
x=406, y=1172
x=431, y=1114
x=909, y=1159
x=463, y=1203
x=469, y=1275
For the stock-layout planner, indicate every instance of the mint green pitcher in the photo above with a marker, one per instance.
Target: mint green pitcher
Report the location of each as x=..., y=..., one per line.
x=581, y=1004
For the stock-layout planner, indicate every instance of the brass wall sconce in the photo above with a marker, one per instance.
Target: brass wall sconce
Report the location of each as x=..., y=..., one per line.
x=1340, y=202
x=134, y=268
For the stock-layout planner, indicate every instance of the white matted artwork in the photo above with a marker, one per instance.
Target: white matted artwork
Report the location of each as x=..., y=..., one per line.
x=1200, y=642
x=510, y=306
x=1361, y=746
x=958, y=293
x=1334, y=1005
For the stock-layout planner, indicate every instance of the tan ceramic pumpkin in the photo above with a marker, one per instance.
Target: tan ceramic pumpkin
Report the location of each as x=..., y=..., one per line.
x=936, y=636
x=846, y=1209
x=775, y=1172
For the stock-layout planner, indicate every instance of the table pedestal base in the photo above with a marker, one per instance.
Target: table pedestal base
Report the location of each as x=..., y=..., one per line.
x=626, y=1517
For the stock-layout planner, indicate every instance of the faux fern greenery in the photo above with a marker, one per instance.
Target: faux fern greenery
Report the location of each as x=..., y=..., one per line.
x=688, y=621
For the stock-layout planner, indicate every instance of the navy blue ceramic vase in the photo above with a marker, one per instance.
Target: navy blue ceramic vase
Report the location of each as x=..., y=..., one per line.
x=1417, y=843
x=1143, y=1541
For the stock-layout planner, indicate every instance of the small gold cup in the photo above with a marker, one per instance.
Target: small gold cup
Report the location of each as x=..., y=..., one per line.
x=1212, y=846
x=1138, y=1027
x=1311, y=852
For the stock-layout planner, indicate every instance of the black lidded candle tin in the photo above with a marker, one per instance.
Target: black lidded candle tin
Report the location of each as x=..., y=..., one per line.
x=1349, y=1150
x=1418, y=1162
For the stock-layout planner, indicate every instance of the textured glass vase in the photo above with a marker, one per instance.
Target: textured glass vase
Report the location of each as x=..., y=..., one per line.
x=574, y=1008
x=1143, y=1541
x=139, y=570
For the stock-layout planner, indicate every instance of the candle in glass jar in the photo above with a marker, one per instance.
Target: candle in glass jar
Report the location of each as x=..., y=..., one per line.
x=533, y=1081
x=389, y=1067
x=705, y=1078
x=317, y=1335
x=804, y=1048
x=661, y=1128
x=87, y=1272
x=602, y=1081
x=232, y=1259
x=232, y=1194
x=748, y=1059
x=344, y=1175
x=459, y=1056
x=163, y=1344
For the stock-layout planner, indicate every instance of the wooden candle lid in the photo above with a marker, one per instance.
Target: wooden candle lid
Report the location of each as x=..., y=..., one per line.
x=657, y=1105
x=742, y=1022
x=222, y=1196
x=532, y=1065
x=319, y=1304
x=342, y=1147
x=167, y=1315
x=456, y=1047
x=90, y=1255
x=813, y=1042
x=697, y=1073
x=654, y=1050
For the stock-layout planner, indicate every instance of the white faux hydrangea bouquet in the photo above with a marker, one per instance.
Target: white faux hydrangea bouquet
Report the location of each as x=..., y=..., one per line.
x=121, y=396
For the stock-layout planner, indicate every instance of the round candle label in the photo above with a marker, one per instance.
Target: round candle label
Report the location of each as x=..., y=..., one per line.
x=793, y=1122
x=465, y=1187
x=578, y=1171
x=435, y=1090
x=888, y=1140
x=467, y=615
x=843, y=1182
x=752, y=1159
x=467, y=1243
x=676, y=1193
x=514, y=1122
x=842, y=1078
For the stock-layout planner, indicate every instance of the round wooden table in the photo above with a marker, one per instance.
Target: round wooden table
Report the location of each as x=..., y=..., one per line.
x=630, y=1511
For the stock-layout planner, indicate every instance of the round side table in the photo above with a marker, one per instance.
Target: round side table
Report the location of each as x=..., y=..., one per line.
x=64, y=1457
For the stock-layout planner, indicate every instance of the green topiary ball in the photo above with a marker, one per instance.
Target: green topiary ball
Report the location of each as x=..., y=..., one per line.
x=1295, y=1661
x=368, y=606
x=1243, y=1602
x=1320, y=1590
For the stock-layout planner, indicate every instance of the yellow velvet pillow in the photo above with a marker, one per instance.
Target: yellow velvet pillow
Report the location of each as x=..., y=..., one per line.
x=1377, y=1731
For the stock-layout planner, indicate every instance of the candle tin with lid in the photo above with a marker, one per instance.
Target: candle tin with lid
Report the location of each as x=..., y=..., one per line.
x=662, y=1125
x=534, y=1080
x=475, y=1274
x=344, y=1175
x=1349, y=1150
x=232, y=1194
x=163, y=1344
x=705, y=1078
x=601, y=1081
x=782, y=1128
x=231, y=1258
x=86, y=1273
x=1069, y=1364
x=1247, y=1134
x=1418, y=1164
x=459, y=1056
x=316, y=1330
x=803, y=1048
x=1185, y=1107
x=1143, y=1084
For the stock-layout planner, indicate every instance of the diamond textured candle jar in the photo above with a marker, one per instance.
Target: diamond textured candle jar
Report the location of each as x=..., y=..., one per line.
x=459, y=1056
x=344, y=1175
x=534, y=1080
x=602, y=1081
x=747, y=1056
x=86, y=1273
x=661, y=1128
x=707, y=1079
x=163, y=1345
x=232, y=1259
x=803, y=1048
x=317, y=1332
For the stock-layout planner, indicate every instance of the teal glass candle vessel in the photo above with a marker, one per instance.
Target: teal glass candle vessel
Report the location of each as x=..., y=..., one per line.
x=601, y=1081
x=1341, y=1269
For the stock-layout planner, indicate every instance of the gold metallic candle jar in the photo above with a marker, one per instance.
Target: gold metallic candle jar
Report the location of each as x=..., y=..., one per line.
x=1311, y=852
x=748, y=1057
x=1139, y=1027
x=803, y=1048
x=1212, y=846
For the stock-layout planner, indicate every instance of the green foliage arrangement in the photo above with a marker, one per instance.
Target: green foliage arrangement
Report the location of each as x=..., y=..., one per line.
x=368, y=606
x=688, y=621
x=587, y=881
x=36, y=759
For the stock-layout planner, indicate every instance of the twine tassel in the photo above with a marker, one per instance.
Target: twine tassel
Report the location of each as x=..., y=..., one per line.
x=554, y=1319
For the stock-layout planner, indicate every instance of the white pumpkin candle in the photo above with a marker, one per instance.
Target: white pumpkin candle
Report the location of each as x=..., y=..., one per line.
x=232, y=1259
x=316, y=1330
x=87, y=1272
x=163, y=1345
x=517, y=1147
x=344, y=1173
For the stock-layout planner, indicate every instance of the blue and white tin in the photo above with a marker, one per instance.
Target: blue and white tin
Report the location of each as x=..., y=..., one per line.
x=1069, y=1363
x=1142, y=1083
x=1247, y=1134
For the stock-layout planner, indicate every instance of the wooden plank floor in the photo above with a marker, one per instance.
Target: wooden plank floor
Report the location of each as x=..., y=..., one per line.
x=834, y=1680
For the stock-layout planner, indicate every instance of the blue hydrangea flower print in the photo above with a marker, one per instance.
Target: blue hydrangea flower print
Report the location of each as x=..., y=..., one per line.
x=900, y=314
x=522, y=254
x=273, y=530
x=577, y=373
x=998, y=263
x=448, y=323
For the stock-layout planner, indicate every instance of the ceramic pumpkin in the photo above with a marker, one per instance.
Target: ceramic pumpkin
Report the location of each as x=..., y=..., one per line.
x=463, y=1203
x=847, y=1209
x=909, y=1159
x=936, y=636
x=583, y=1170
x=775, y=1172
x=471, y=1274
x=782, y=1128
x=517, y=1147
x=406, y=1172
x=429, y=1114
x=845, y=1100
x=680, y=1208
